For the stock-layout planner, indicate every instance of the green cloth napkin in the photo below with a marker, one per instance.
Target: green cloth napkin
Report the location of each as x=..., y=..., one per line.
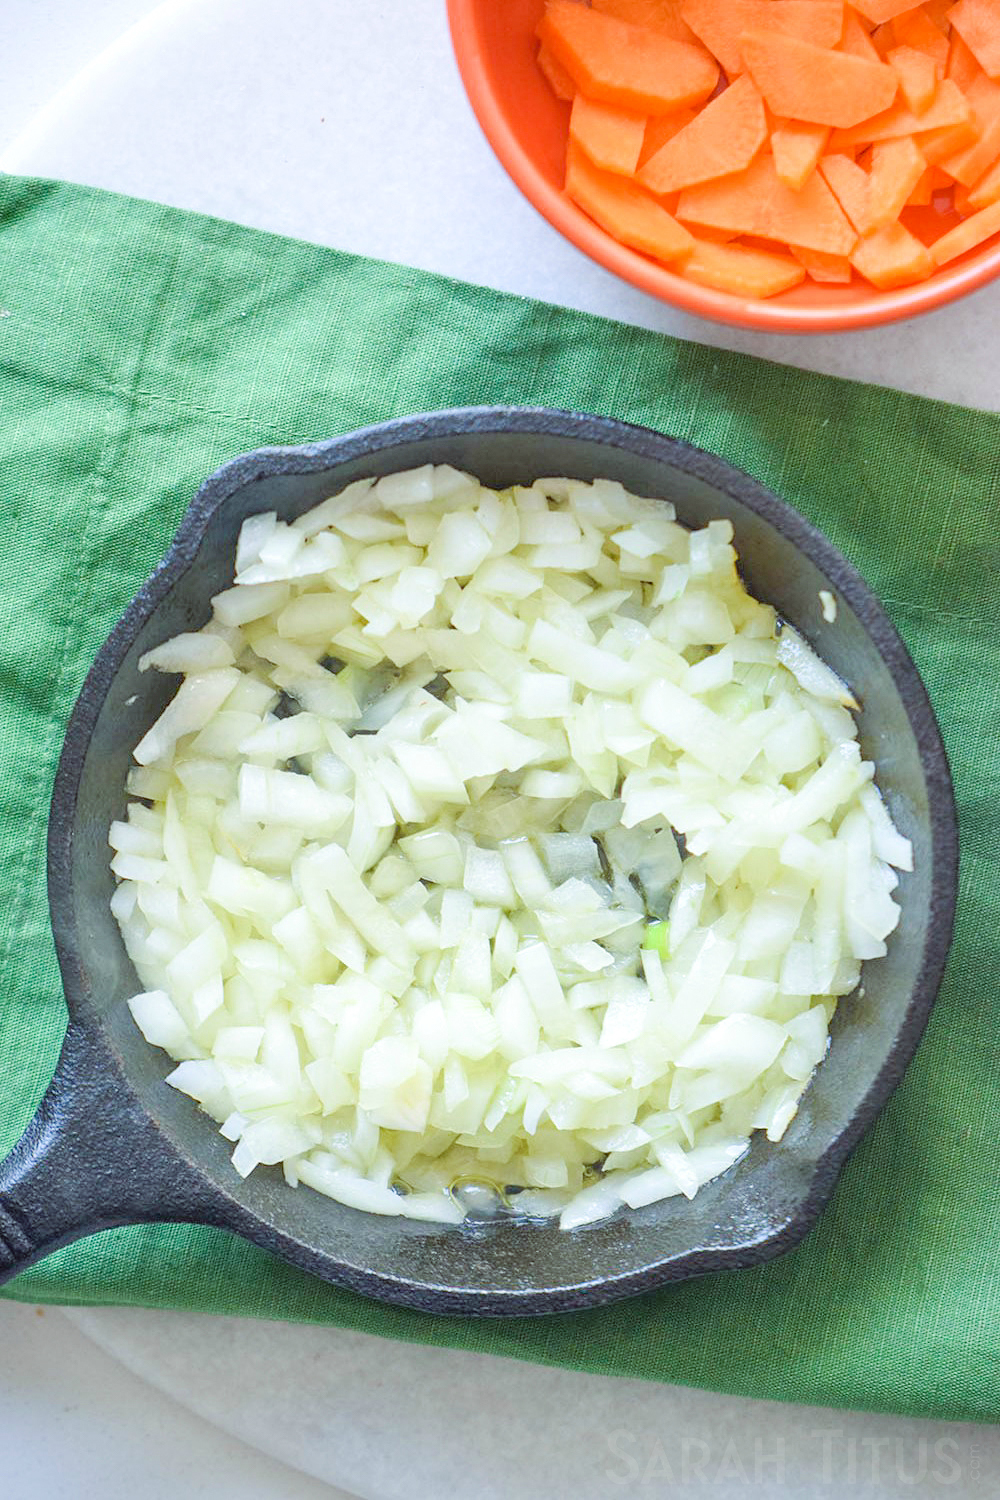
x=139, y=348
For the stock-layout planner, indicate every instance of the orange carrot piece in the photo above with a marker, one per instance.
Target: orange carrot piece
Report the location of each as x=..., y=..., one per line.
x=741, y=270
x=797, y=147
x=978, y=24
x=804, y=82
x=939, y=145
x=897, y=167
x=724, y=137
x=626, y=65
x=892, y=257
x=757, y=202
x=660, y=129
x=720, y=23
x=914, y=28
x=968, y=235
x=937, y=11
x=918, y=77
x=948, y=107
x=857, y=41
x=658, y=15
x=559, y=80
x=611, y=137
x=962, y=69
x=824, y=268
x=923, y=191
x=851, y=188
x=967, y=167
x=883, y=39
x=880, y=11
x=982, y=93
x=625, y=211
x=717, y=236
x=986, y=190
x=925, y=223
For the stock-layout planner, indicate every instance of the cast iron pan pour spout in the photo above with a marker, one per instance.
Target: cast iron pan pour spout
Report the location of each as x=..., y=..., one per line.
x=90, y=1159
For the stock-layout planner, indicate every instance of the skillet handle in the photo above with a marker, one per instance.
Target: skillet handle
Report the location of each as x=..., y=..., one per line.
x=90, y=1159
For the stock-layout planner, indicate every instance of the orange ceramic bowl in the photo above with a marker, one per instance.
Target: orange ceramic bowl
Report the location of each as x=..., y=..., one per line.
x=526, y=125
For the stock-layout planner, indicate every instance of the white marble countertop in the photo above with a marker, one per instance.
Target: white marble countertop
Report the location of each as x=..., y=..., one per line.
x=76, y=1425
x=272, y=112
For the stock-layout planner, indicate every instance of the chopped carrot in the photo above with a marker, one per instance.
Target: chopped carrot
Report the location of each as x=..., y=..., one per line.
x=939, y=145
x=804, y=82
x=558, y=79
x=857, y=41
x=969, y=165
x=611, y=137
x=918, y=77
x=880, y=11
x=986, y=190
x=925, y=223
x=982, y=93
x=720, y=23
x=660, y=129
x=851, y=187
x=757, y=202
x=938, y=10
x=824, y=268
x=657, y=15
x=724, y=137
x=978, y=24
x=797, y=147
x=741, y=270
x=923, y=191
x=949, y=107
x=752, y=241
x=914, y=28
x=968, y=235
x=883, y=39
x=892, y=257
x=962, y=67
x=625, y=65
x=750, y=144
x=897, y=167
x=625, y=211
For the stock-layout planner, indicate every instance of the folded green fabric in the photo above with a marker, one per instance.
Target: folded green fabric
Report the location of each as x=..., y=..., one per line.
x=139, y=348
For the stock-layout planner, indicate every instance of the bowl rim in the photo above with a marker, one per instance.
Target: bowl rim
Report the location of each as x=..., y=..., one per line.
x=216, y=1205
x=763, y=315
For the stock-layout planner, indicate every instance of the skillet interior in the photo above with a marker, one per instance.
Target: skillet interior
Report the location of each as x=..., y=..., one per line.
x=770, y=1199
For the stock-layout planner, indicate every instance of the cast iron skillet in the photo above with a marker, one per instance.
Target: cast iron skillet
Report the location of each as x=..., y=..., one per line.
x=112, y=1144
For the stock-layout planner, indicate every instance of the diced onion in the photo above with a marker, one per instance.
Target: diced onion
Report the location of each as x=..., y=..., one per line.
x=497, y=848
